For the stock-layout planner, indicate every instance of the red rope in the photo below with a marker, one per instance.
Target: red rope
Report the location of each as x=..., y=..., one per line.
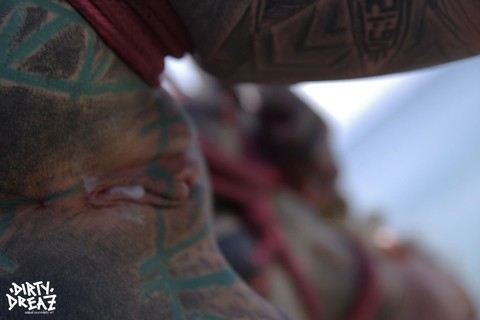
x=368, y=300
x=250, y=184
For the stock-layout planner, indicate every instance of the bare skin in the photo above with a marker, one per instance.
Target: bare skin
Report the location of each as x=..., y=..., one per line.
x=326, y=259
x=411, y=286
x=287, y=41
x=103, y=192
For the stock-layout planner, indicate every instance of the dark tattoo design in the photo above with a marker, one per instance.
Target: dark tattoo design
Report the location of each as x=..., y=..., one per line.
x=101, y=188
x=274, y=11
x=155, y=270
x=53, y=60
x=379, y=26
x=31, y=58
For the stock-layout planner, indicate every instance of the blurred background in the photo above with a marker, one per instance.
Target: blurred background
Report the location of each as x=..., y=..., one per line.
x=408, y=149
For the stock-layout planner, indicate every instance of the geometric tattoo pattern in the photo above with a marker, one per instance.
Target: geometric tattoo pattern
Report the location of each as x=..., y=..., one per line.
x=85, y=77
x=155, y=269
x=27, y=39
x=16, y=67
x=21, y=39
x=290, y=41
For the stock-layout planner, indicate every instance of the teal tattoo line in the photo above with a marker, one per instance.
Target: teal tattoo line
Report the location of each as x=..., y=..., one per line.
x=6, y=219
x=85, y=84
x=158, y=173
x=101, y=68
x=12, y=204
x=149, y=265
x=162, y=282
x=64, y=194
x=162, y=124
x=204, y=316
x=68, y=14
x=36, y=40
x=163, y=255
x=222, y=278
x=151, y=287
x=9, y=31
x=156, y=266
x=203, y=233
x=83, y=76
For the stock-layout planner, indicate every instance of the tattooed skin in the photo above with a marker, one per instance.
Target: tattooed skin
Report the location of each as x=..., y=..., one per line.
x=102, y=190
x=286, y=41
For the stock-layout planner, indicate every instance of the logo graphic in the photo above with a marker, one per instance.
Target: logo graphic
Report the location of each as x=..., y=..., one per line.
x=35, y=298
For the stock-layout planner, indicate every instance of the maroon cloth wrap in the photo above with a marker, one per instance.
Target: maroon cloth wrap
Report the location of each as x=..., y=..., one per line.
x=142, y=33
x=250, y=184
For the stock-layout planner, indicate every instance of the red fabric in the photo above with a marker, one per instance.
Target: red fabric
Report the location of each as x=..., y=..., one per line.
x=250, y=184
x=369, y=297
x=142, y=33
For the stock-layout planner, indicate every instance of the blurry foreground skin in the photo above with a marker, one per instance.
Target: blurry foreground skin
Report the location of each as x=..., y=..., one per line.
x=296, y=141
x=102, y=190
x=320, y=254
x=286, y=136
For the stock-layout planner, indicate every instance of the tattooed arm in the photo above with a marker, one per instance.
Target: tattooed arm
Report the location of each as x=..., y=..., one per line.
x=286, y=41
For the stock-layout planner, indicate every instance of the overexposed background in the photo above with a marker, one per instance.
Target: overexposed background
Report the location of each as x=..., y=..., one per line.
x=408, y=147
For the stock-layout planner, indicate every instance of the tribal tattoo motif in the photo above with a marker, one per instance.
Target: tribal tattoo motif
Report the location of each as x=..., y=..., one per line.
x=287, y=41
x=379, y=26
x=162, y=276
x=28, y=60
x=102, y=190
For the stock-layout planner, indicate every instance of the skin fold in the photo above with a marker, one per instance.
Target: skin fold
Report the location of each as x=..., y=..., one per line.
x=103, y=191
x=245, y=140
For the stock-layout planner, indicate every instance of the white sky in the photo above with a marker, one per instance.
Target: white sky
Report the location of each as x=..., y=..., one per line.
x=351, y=106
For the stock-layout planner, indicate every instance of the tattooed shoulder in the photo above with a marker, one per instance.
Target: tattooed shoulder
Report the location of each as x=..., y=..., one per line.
x=285, y=41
